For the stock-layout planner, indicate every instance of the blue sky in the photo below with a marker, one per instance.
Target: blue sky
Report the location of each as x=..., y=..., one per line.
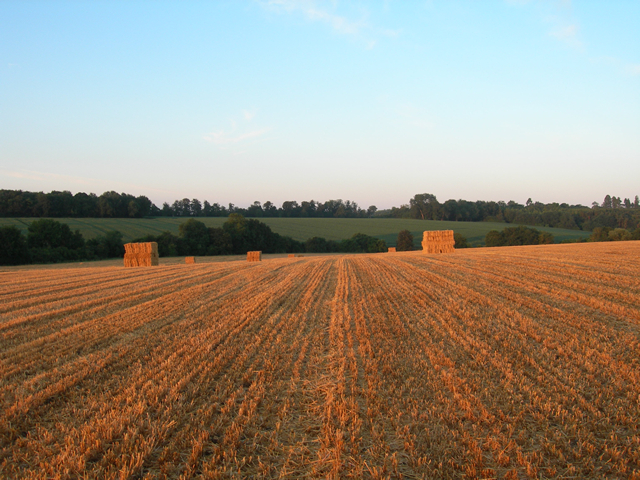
x=297, y=100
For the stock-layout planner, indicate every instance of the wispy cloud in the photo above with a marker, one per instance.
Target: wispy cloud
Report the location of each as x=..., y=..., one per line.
x=238, y=133
x=558, y=14
x=568, y=34
x=313, y=12
x=224, y=138
x=356, y=26
x=565, y=28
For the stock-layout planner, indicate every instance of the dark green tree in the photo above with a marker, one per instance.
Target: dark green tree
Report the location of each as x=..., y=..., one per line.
x=316, y=245
x=460, y=240
x=519, y=235
x=619, y=234
x=250, y=234
x=449, y=210
x=545, y=238
x=109, y=245
x=167, y=210
x=196, y=237
x=109, y=204
x=85, y=205
x=196, y=208
x=258, y=236
x=219, y=242
x=291, y=209
x=255, y=210
x=494, y=238
x=47, y=233
x=168, y=244
x=361, y=243
x=14, y=249
x=600, y=234
x=50, y=241
x=236, y=227
x=270, y=210
x=139, y=207
x=405, y=241
x=424, y=206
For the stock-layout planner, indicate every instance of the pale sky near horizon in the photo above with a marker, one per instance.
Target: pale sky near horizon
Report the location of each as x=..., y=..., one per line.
x=296, y=100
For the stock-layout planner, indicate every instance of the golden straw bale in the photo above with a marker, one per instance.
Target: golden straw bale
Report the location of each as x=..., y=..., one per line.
x=291, y=255
x=438, y=241
x=189, y=259
x=139, y=259
x=254, y=256
x=143, y=247
x=391, y=250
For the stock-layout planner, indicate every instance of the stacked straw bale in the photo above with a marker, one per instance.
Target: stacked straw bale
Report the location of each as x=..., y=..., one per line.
x=391, y=250
x=254, y=256
x=141, y=254
x=438, y=241
x=292, y=255
x=189, y=259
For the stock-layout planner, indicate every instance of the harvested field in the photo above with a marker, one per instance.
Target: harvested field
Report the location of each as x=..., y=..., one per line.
x=513, y=362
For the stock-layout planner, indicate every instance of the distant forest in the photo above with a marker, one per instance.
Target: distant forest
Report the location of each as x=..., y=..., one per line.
x=613, y=212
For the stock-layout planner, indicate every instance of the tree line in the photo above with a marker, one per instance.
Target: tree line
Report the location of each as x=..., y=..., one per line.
x=521, y=235
x=613, y=212
x=50, y=241
x=18, y=203
x=239, y=235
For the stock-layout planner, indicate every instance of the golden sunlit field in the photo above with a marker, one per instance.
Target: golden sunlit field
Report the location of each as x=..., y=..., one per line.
x=513, y=362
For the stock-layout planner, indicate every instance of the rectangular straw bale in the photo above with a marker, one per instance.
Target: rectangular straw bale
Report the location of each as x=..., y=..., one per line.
x=291, y=255
x=141, y=247
x=189, y=259
x=143, y=254
x=140, y=260
x=391, y=250
x=254, y=256
x=438, y=241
